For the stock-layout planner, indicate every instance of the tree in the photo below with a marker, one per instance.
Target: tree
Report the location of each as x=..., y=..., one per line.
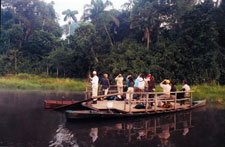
x=61, y=60
x=99, y=16
x=127, y=57
x=144, y=17
x=70, y=15
x=29, y=31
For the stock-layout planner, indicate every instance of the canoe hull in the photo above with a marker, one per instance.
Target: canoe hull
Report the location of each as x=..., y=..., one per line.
x=90, y=114
x=52, y=104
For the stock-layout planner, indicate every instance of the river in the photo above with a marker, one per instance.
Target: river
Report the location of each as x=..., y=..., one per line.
x=25, y=123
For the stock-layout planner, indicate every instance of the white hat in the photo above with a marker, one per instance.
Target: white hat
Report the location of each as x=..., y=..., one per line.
x=94, y=72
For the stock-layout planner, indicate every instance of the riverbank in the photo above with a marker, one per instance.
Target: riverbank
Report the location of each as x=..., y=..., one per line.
x=35, y=82
x=213, y=93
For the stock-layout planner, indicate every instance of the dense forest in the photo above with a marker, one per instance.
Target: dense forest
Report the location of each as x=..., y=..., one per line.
x=175, y=39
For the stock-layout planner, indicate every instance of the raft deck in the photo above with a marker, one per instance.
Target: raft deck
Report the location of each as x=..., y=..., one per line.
x=125, y=107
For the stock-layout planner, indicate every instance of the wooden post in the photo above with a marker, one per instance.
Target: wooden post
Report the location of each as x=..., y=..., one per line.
x=175, y=100
x=130, y=103
x=146, y=100
x=89, y=94
x=155, y=102
x=86, y=92
x=125, y=104
x=191, y=100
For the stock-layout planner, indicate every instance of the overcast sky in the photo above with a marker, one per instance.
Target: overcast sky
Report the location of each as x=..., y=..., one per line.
x=62, y=5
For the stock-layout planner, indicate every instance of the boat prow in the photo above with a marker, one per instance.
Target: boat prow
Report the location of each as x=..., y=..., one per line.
x=52, y=104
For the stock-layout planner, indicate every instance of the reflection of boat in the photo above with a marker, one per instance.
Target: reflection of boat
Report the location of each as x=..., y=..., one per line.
x=162, y=129
x=51, y=104
x=115, y=112
x=63, y=137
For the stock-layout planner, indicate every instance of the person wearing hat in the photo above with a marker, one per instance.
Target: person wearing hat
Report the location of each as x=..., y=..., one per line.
x=119, y=84
x=94, y=82
x=165, y=84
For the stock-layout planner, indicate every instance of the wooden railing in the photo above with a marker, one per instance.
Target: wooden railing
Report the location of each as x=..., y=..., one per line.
x=144, y=98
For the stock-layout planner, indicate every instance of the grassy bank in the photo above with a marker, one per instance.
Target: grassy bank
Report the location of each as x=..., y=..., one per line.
x=214, y=93
x=28, y=81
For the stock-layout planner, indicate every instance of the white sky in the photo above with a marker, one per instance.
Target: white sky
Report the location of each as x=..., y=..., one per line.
x=62, y=5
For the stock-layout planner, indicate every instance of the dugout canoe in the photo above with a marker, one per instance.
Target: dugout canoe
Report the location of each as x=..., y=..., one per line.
x=53, y=104
x=113, y=113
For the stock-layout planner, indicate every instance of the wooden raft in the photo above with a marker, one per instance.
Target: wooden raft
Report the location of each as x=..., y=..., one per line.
x=128, y=106
x=119, y=105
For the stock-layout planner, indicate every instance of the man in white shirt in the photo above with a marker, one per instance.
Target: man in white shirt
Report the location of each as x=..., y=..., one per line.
x=94, y=82
x=165, y=84
x=186, y=88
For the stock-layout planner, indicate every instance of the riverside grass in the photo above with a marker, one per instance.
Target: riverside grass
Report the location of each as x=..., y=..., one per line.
x=213, y=93
x=35, y=82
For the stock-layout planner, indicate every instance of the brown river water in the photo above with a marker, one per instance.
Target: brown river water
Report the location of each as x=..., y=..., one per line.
x=25, y=123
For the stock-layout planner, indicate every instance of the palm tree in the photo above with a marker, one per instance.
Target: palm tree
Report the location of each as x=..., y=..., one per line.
x=95, y=9
x=70, y=15
x=95, y=12
x=128, y=5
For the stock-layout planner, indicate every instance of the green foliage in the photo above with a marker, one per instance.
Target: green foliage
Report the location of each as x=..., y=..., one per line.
x=28, y=81
x=60, y=60
x=127, y=57
x=176, y=39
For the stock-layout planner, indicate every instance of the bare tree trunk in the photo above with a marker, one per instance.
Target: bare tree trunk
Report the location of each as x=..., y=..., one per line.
x=93, y=54
x=26, y=34
x=147, y=36
x=107, y=32
x=217, y=3
x=69, y=34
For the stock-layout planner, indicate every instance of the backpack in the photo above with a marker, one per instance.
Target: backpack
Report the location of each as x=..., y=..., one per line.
x=140, y=106
x=110, y=98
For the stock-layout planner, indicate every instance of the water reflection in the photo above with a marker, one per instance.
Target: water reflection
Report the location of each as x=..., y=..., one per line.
x=158, y=131
x=25, y=123
x=63, y=137
x=94, y=134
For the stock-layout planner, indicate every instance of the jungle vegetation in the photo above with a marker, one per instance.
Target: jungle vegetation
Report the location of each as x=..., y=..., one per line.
x=174, y=39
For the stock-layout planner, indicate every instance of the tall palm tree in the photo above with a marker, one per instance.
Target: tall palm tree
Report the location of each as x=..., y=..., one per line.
x=95, y=9
x=70, y=16
x=96, y=13
x=128, y=5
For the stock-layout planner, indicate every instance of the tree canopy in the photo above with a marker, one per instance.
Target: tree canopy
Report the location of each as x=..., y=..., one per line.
x=175, y=39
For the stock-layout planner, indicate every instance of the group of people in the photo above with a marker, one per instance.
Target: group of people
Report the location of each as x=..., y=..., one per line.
x=141, y=84
x=169, y=90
